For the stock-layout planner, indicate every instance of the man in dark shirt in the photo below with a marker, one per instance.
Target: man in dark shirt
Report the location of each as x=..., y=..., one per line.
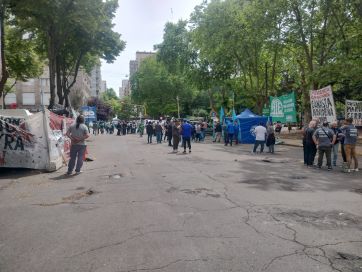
x=169, y=133
x=324, y=138
x=149, y=130
x=218, y=130
x=158, y=129
x=350, y=139
x=310, y=147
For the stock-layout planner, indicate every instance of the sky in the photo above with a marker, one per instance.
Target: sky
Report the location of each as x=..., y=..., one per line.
x=141, y=24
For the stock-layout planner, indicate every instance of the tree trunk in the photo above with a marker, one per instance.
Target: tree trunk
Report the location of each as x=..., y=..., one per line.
x=52, y=66
x=59, y=81
x=305, y=93
x=4, y=71
x=66, y=98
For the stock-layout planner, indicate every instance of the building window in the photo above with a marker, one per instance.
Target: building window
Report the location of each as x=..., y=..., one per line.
x=10, y=98
x=44, y=82
x=29, y=99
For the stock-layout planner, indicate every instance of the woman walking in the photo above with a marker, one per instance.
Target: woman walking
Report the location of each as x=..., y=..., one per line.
x=77, y=133
x=270, y=138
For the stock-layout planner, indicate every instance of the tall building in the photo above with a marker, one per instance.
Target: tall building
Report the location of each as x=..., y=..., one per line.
x=135, y=64
x=125, y=88
x=120, y=92
x=140, y=56
x=103, y=86
x=133, y=68
x=96, y=81
x=35, y=92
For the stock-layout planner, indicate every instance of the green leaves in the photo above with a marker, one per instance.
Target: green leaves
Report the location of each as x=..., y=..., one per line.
x=74, y=33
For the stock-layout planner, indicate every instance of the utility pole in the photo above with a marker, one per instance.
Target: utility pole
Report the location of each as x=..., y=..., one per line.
x=266, y=79
x=178, y=106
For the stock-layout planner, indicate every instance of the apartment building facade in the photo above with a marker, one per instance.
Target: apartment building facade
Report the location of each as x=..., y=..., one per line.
x=35, y=92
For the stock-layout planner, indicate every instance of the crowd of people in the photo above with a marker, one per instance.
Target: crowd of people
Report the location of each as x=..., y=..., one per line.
x=323, y=138
x=326, y=139
x=175, y=132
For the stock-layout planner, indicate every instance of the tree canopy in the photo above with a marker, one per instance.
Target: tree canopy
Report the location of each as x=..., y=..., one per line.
x=238, y=53
x=71, y=34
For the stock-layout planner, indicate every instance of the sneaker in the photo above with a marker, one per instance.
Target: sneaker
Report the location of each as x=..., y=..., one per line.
x=329, y=168
x=68, y=173
x=80, y=172
x=356, y=170
x=348, y=170
x=190, y=151
x=184, y=152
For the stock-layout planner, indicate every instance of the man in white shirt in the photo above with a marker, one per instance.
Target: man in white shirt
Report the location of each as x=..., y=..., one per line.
x=260, y=135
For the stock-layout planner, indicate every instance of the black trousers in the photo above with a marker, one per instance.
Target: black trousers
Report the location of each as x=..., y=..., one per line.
x=170, y=140
x=176, y=141
x=343, y=153
x=305, y=153
x=311, y=151
x=149, y=138
x=188, y=141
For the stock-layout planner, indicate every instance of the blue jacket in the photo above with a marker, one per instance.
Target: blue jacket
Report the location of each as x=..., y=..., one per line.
x=230, y=128
x=236, y=129
x=186, y=130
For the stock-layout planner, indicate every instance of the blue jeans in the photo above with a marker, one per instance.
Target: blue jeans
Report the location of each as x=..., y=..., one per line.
x=76, y=153
x=335, y=153
x=159, y=137
x=256, y=145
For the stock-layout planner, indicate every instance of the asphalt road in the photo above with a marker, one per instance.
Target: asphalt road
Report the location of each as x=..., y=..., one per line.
x=139, y=208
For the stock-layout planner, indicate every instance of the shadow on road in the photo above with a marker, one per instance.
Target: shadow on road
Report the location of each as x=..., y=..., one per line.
x=15, y=173
x=62, y=177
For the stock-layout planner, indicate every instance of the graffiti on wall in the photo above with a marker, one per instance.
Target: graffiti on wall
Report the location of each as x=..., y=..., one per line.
x=14, y=137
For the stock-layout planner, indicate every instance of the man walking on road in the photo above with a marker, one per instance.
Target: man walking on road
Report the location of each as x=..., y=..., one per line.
x=77, y=132
x=186, y=135
x=260, y=134
x=230, y=129
x=158, y=129
x=175, y=135
x=324, y=138
x=149, y=130
x=218, y=132
x=169, y=133
x=350, y=140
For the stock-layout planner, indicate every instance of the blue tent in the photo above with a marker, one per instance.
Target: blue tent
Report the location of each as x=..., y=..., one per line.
x=248, y=121
x=247, y=114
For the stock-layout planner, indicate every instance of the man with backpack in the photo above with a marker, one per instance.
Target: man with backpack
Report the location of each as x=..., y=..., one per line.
x=324, y=138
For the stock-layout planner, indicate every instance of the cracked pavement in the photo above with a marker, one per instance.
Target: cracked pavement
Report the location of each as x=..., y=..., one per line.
x=216, y=209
